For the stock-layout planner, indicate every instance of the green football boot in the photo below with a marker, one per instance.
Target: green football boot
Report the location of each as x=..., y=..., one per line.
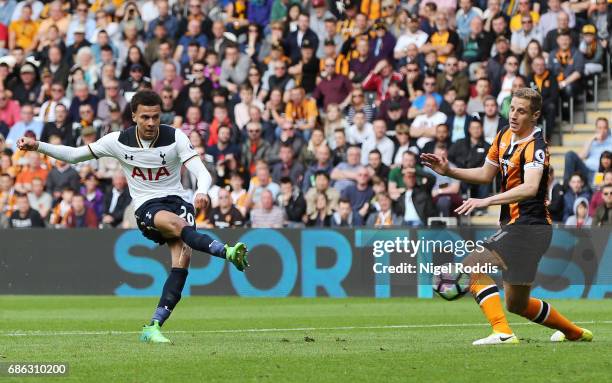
x=152, y=334
x=237, y=255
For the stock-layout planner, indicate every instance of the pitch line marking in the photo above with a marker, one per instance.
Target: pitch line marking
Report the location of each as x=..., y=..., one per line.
x=256, y=330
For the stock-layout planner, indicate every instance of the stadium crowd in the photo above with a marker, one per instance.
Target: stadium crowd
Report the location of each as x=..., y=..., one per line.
x=306, y=113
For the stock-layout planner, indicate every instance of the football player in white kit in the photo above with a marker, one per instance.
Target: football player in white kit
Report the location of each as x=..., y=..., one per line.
x=151, y=156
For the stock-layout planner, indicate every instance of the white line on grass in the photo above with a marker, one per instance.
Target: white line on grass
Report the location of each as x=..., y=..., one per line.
x=255, y=330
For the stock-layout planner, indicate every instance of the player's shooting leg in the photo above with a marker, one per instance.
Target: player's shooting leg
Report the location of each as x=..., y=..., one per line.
x=174, y=227
x=486, y=292
x=171, y=293
x=539, y=311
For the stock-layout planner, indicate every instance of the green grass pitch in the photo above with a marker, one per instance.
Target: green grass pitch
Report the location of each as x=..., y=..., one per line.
x=296, y=339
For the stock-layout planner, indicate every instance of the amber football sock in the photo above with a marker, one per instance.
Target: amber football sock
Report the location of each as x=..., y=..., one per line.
x=486, y=294
x=541, y=312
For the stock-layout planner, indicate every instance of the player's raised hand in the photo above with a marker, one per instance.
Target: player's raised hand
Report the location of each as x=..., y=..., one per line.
x=27, y=144
x=201, y=201
x=437, y=163
x=470, y=204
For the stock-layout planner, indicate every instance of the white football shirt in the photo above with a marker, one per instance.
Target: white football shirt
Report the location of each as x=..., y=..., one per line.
x=151, y=172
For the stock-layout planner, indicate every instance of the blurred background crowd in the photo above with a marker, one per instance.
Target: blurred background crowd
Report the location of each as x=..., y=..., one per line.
x=306, y=113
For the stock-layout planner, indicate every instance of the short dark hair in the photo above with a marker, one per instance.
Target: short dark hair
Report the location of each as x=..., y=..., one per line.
x=285, y=180
x=375, y=151
x=322, y=173
x=344, y=200
x=145, y=98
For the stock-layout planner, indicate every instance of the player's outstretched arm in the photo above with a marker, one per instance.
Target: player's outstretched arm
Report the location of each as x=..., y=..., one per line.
x=60, y=152
x=197, y=168
x=528, y=189
x=482, y=175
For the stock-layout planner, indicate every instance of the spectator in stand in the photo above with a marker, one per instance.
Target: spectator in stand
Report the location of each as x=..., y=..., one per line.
x=475, y=104
x=591, y=50
x=81, y=97
x=292, y=201
x=262, y=181
x=453, y=78
x=497, y=63
x=502, y=86
x=546, y=84
x=234, y=68
x=289, y=137
x=321, y=217
x=379, y=79
x=567, y=64
x=429, y=87
x=9, y=109
x=361, y=130
x=555, y=197
x=459, y=121
x=384, y=217
x=375, y=165
x=550, y=39
x=442, y=136
x=224, y=148
x=112, y=97
x=580, y=218
x=600, y=16
x=302, y=111
x=321, y=185
x=8, y=196
x=333, y=88
x=254, y=148
x=26, y=124
x=576, y=189
x=62, y=209
x=597, y=199
x=62, y=176
x=444, y=41
x=23, y=31
x=549, y=20
x=470, y=152
x=308, y=154
x=47, y=109
x=378, y=141
x=345, y=216
x=323, y=163
x=345, y=173
x=446, y=191
x=61, y=127
x=226, y=214
x=396, y=184
x=39, y=199
x=423, y=128
x=116, y=200
x=194, y=123
x=295, y=39
x=491, y=120
x=33, y=169
x=587, y=162
x=241, y=110
x=603, y=214
x=25, y=217
x=268, y=215
x=525, y=35
x=477, y=46
x=240, y=197
x=287, y=167
x=415, y=204
x=412, y=35
x=360, y=194
x=94, y=198
x=81, y=215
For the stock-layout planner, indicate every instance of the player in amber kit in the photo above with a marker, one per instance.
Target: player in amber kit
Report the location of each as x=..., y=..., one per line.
x=521, y=154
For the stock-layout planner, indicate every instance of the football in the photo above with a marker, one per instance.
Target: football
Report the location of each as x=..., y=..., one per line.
x=451, y=285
